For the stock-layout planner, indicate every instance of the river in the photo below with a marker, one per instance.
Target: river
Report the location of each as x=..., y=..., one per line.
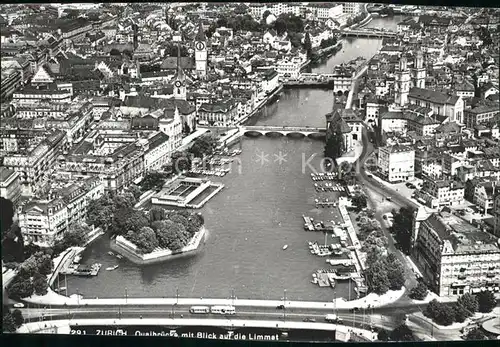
x=250, y=220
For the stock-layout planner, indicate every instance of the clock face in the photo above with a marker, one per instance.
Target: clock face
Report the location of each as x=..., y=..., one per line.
x=178, y=84
x=200, y=46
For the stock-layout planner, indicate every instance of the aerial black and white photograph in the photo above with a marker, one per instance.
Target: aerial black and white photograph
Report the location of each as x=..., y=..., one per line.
x=279, y=172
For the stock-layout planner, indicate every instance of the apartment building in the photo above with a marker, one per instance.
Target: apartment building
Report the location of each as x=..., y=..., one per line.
x=325, y=10
x=454, y=256
x=352, y=8
x=289, y=68
x=34, y=165
x=496, y=213
x=484, y=196
x=44, y=221
x=397, y=163
x=218, y=113
x=9, y=185
x=480, y=115
x=441, y=193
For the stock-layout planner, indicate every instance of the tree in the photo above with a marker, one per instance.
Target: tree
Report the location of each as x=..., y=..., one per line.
x=114, y=51
x=100, y=211
x=146, y=240
x=476, y=334
x=440, y=313
x=6, y=215
x=20, y=287
x=402, y=228
x=45, y=264
x=135, y=190
x=460, y=313
x=76, y=234
x=17, y=315
x=172, y=235
x=265, y=15
x=156, y=214
x=8, y=323
x=135, y=221
x=469, y=302
x=177, y=218
x=152, y=180
x=402, y=333
x=377, y=279
x=13, y=244
x=486, y=301
x=359, y=201
x=186, y=129
x=40, y=284
x=383, y=335
x=395, y=272
x=419, y=292
x=290, y=23
x=181, y=161
x=203, y=146
x=172, y=50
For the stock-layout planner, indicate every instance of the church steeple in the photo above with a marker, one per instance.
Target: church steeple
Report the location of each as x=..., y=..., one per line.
x=201, y=54
x=180, y=91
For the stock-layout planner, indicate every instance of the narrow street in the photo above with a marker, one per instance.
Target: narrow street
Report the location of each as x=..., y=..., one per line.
x=377, y=199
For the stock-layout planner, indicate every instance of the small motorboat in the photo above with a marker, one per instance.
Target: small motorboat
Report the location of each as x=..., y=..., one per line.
x=111, y=253
x=119, y=256
x=285, y=247
x=111, y=268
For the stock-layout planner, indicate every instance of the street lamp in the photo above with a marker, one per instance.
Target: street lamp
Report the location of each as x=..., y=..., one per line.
x=284, y=305
x=78, y=296
x=232, y=296
x=126, y=295
x=177, y=295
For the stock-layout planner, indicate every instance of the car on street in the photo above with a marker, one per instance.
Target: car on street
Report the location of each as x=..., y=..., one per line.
x=369, y=176
x=19, y=305
x=309, y=320
x=354, y=309
x=388, y=198
x=280, y=307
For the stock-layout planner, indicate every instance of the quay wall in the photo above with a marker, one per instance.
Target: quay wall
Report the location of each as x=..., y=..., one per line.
x=129, y=250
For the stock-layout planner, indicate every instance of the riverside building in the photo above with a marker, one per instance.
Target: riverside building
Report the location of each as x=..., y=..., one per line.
x=456, y=257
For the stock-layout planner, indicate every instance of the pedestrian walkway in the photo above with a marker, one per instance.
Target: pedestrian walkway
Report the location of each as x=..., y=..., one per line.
x=371, y=300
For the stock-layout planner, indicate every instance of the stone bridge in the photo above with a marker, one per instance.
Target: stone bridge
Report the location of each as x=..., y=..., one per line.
x=305, y=131
x=369, y=33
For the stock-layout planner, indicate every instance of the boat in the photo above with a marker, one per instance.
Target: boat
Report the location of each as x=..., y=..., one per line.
x=119, y=256
x=384, y=15
x=111, y=253
x=111, y=268
x=77, y=259
x=285, y=247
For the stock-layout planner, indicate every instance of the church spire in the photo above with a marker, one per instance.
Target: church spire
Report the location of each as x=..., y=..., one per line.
x=180, y=73
x=200, y=35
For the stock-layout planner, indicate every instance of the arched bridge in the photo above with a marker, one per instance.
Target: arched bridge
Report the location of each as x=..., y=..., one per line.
x=369, y=33
x=257, y=130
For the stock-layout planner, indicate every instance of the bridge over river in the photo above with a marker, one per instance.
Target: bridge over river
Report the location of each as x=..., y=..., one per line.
x=370, y=33
x=312, y=132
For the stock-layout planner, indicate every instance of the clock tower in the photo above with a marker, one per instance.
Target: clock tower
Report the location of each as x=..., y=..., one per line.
x=180, y=90
x=201, y=54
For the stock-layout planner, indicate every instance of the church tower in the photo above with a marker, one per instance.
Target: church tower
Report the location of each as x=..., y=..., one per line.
x=403, y=79
x=419, y=70
x=180, y=90
x=200, y=45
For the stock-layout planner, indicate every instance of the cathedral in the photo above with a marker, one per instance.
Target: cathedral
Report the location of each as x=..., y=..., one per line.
x=407, y=79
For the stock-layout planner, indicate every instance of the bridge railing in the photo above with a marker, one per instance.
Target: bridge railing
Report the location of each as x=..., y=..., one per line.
x=283, y=128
